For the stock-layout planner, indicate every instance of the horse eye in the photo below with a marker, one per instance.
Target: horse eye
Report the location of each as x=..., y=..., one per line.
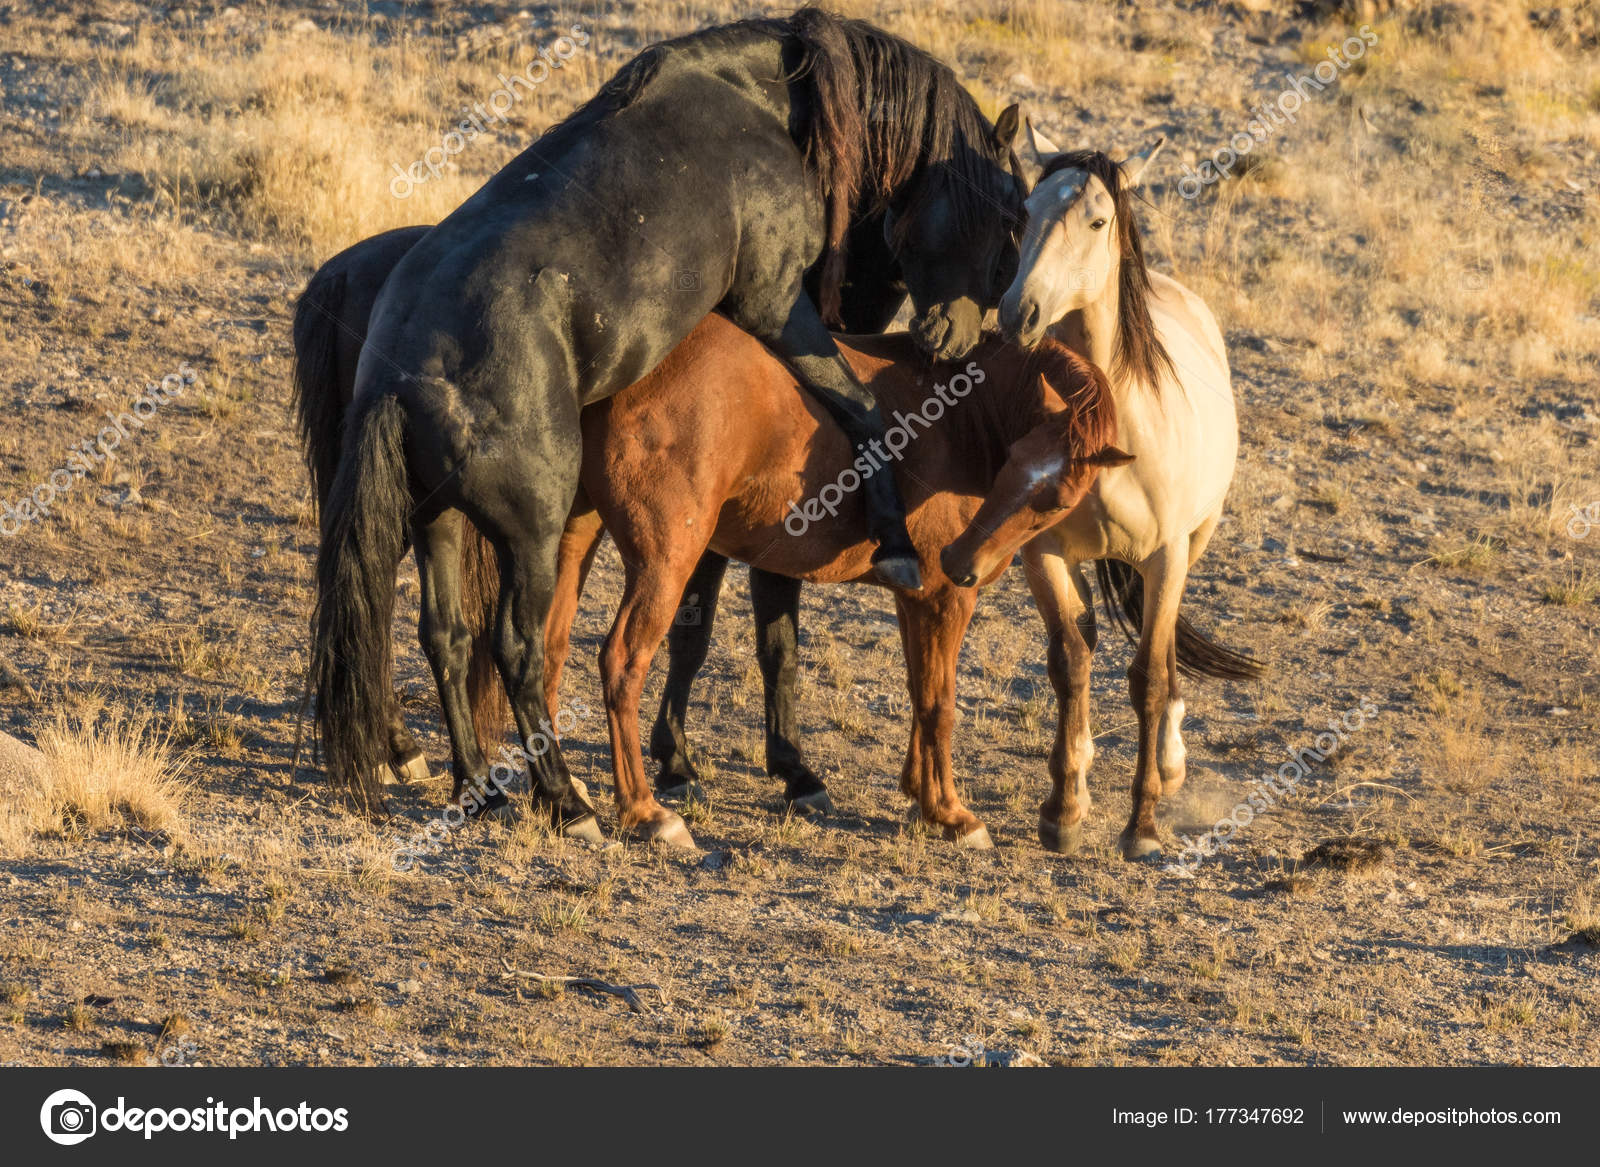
x=1097, y=224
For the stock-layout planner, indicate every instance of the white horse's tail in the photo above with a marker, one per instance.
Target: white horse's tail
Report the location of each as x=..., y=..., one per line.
x=1122, y=591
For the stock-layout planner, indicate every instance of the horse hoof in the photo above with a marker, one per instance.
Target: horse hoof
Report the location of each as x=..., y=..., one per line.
x=410, y=769
x=585, y=830
x=682, y=792
x=1062, y=840
x=500, y=812
x=669, y=831
x=899, y=571
x=1135, y=847
x=813, y=805
x=976, y=839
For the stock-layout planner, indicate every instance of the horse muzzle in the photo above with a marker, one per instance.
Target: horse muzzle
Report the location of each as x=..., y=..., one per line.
x=964, y=574
x=1021, y=320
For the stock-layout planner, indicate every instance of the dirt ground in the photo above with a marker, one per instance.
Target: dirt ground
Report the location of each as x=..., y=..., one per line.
x=1410, y=291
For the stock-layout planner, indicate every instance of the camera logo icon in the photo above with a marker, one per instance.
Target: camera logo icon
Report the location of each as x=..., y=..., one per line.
x=68, y=1117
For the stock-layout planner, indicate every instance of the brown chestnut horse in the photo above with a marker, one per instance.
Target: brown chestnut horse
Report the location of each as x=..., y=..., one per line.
x=752, y=468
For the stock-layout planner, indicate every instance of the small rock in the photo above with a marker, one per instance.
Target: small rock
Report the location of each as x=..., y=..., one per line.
x=105, y=30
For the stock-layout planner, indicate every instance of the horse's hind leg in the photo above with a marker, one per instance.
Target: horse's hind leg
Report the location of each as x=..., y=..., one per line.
x=688, y=642
x=447, y=641
x=579, y=542
x=649, y=604
x=1171, y=757
x=1061, y=595
x=406, y=758
x=1151, y=683
x=776, y=601
x=528, y=576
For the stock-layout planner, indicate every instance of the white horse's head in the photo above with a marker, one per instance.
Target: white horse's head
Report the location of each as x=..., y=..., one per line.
x=1079, y=232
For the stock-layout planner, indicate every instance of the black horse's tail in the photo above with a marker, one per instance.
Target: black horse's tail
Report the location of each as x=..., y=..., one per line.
x=363, y=540
x=1122, y=591
x=318, y=402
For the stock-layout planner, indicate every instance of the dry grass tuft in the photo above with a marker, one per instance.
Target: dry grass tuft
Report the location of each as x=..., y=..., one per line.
x=111, y=774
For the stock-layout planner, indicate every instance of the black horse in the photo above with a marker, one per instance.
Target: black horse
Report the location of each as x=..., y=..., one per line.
x=711, y=173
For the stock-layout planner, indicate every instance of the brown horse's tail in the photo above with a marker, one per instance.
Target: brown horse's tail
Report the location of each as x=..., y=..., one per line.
x=1122, y=591
x=480, y=601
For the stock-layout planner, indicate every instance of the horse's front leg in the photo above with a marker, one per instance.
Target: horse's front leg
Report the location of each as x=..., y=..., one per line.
x=933, y=628
x=1061, y=595
x=1152, y=680
x=688, y=642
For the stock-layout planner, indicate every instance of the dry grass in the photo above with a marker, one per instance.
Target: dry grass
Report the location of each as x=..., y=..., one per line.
x=109, y=774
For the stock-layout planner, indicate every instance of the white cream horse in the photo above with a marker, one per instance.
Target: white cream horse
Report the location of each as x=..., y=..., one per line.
x=1082, y=278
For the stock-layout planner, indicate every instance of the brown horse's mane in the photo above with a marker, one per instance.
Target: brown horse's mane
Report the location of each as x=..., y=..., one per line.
x=1003, y=408
x=1139, y=351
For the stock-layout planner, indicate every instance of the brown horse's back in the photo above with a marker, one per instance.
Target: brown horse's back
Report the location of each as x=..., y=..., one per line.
x=722, y=438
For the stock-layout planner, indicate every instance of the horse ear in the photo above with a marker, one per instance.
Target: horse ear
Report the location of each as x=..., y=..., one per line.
x=1041, y=145
x=1035, y=153
x=1108, y=456
x=1133, y=168
x=1007, y=125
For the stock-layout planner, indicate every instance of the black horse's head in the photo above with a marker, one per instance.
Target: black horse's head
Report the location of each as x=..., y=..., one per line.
x=893, y=133
x=955, y=237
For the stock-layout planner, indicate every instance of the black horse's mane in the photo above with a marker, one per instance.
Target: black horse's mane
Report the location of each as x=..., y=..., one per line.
x=888, y=118
x=883, y=119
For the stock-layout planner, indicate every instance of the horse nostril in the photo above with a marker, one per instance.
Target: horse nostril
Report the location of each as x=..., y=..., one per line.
x=967, y=581
x=1031, y=320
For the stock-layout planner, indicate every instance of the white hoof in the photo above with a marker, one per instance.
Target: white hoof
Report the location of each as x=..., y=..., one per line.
x=670, y=831
x=585, y=830
x=1135, y=847
x=976, y=839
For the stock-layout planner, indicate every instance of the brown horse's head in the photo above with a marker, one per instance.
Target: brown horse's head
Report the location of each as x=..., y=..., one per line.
x=1045, y=476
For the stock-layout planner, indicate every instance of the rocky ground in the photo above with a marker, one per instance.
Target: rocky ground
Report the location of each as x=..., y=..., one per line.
x=1401, y=536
